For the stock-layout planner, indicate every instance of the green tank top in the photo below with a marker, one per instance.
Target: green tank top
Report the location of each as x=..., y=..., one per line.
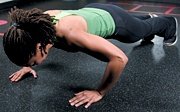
x=99, y=21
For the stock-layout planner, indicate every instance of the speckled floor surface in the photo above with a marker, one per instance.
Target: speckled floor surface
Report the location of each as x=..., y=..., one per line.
x=150, y=82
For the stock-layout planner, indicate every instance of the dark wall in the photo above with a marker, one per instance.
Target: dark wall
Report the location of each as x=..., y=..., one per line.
x=177, y=2
x=162, y=1
x=4, y=6
x=7, y=5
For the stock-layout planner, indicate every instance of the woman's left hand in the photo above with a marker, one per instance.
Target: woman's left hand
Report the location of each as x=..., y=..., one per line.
x=85, y=97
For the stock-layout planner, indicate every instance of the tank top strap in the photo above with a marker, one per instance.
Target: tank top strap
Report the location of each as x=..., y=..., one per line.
x=59, y=16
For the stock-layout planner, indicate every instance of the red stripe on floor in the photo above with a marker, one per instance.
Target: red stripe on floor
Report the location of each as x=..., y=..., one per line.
x=1, y=34
x=135, y=8
x=169, y=10
x=3, y=22
x=145, y=12
x=161, y=6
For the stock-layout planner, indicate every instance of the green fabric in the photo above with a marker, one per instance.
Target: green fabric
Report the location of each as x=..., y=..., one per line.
x=99, y=21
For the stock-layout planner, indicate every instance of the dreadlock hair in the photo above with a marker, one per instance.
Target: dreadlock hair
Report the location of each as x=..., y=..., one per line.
x=28, y=28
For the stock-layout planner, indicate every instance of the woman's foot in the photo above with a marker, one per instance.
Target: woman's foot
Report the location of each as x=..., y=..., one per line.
x=171, y=36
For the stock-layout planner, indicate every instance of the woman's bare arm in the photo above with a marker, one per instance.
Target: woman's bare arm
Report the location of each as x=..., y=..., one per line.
x=116, y=62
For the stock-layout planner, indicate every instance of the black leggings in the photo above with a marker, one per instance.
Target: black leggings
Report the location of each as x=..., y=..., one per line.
x=131, y=28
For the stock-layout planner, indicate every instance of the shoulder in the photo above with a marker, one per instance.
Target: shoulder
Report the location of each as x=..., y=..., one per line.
x=69, y=25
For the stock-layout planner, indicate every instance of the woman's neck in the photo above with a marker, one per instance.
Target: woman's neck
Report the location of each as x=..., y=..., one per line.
x=52, y=12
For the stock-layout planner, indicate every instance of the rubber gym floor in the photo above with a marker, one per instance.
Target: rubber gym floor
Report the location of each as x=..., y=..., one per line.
x=149, y=83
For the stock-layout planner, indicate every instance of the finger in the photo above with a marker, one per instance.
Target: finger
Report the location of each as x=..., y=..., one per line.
x=79, y=93
x=33, y=73
x=89, y=103
x=18, y=78
x=15, y=77
x=12, y=75
x=75, y=100
x=76, y=97
x=82, y=102
x=78, y=100
x=71, y=100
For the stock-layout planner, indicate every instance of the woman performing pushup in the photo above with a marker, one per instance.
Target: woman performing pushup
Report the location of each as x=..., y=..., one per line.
x=34, y=32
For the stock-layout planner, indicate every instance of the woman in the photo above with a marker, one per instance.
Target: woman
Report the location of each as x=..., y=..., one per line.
x=33, y=33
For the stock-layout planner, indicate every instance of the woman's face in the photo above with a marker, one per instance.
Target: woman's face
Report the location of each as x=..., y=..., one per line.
x=40, y=55
x=37, y=59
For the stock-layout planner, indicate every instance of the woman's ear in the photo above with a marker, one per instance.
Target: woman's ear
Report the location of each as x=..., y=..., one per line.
x=38, y=47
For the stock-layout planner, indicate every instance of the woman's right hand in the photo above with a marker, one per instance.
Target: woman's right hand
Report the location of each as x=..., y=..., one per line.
x=19, y=74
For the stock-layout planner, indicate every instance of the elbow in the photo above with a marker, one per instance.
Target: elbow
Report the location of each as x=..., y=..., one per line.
x=123, y=59
x=126, y=59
